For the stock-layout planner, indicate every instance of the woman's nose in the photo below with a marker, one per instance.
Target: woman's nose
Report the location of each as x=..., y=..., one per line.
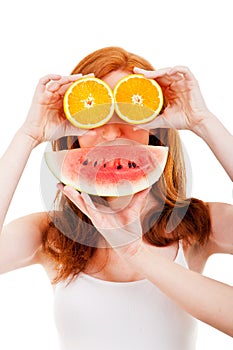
x=111, y=131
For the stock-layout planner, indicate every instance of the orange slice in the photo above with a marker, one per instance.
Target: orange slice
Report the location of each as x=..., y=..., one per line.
x=137, y=99
x=88, y=103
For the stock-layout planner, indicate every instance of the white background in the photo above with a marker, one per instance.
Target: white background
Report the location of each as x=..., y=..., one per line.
x=41, y=37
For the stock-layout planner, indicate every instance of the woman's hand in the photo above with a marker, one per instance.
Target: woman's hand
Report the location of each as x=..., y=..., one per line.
x=46, y=120
x=119, y=224
x=185, y=107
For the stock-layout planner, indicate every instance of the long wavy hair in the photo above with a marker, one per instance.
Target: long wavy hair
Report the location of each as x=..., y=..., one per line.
x=71, y=239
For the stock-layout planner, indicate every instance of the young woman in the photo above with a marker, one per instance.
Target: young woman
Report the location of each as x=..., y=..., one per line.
x=106, y=268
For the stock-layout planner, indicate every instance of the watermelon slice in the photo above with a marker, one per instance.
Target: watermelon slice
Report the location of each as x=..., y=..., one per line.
x=116, y=170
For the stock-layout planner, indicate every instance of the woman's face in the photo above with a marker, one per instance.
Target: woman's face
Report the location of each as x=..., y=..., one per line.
x=115, y=128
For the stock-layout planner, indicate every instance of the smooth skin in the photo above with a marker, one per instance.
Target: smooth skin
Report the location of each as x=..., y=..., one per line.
x=21, y=240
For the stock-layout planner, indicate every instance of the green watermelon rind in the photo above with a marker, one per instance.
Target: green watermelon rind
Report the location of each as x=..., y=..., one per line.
x=55, y=162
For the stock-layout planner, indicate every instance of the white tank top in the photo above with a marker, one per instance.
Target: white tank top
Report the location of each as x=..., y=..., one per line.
x=92, y=314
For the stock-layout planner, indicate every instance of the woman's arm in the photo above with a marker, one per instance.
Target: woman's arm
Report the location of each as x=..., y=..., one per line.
x=186, y=110
x=20, y=239
x=43, y=122
x=220, y=141
x=204, y=298
x=12, y=165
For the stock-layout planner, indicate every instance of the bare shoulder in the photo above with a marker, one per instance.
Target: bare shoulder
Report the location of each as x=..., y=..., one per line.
x=21, y=240
x=221, y=237
x=31, y=225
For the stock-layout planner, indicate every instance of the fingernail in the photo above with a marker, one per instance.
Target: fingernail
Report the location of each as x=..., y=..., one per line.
x=60, y=186
x=137, y=68
x=79, y=75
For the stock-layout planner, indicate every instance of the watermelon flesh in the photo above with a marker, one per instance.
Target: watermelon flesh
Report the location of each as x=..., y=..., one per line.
x=116, y=170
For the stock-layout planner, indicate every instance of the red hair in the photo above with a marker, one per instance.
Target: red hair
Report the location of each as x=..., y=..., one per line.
x=71, y=239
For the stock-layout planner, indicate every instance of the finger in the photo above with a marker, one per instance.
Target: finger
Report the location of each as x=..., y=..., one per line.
x=96, y=207
x=71, y=193
x=161, y=76
x=61, y=90
x=75, y=197
x=89, y=75
x=60, y=186
x=166, y=76
x=87, y=199
x=165, y=71
x=153, y=74
x=182, y=70
x=65, y=80
x=63, y=87
x=63, y=84
x=45, y=80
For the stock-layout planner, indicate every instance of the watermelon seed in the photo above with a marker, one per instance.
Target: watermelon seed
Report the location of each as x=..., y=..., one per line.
x=119, y=167
x=85, y=162
x=95, y=163
x=105, y=165
x=132, y=165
